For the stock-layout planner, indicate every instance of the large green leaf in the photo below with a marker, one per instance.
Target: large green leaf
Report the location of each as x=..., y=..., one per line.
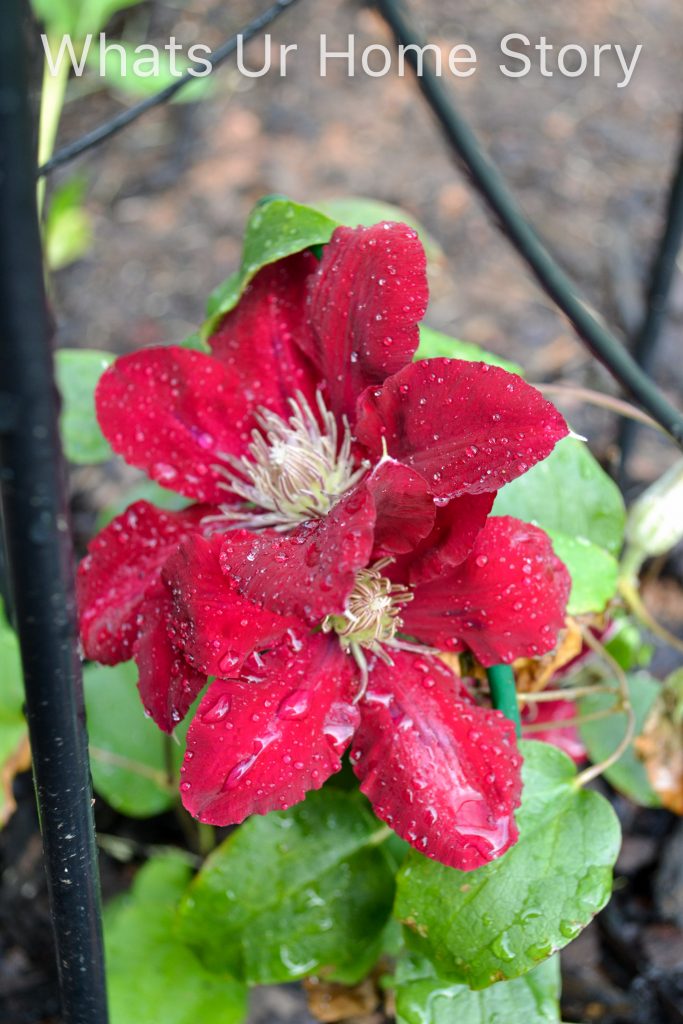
x=151, y=975
x=422, y=997
x=127, y=750
x=277, y=227
x=355, y=211
x=593, y=570
x=434, y=343
x=501, y=920
x=603, y=735
x=13, y=730
x=294, y=893
x=569, y=493
x=78, y=370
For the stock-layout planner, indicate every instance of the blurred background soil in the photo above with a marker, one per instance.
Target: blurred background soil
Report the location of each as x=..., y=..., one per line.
x=590, y=163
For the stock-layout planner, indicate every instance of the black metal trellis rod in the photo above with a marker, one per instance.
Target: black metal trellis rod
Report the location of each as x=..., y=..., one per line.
x=657, y=301
x=39, y=555
x=126, y=117
x=488, y=181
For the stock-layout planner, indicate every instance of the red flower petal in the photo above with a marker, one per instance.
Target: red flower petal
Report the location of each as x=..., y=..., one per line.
x=455, y=531
x=173, y=412
x=404, y=507
x=260, y=744
x=123, y=560
x=366, y=301
x=214, y=626
x=507, y=600
x=167, y=684
x=467, y=427
x=555, y=713
x=258, y=339
x=441, y=771
x=309, y=572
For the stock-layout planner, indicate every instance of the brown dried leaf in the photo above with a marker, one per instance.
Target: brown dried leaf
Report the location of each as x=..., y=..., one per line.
x=660, y=745
x=534, y=674
x=330, y=1002
x=18, y=761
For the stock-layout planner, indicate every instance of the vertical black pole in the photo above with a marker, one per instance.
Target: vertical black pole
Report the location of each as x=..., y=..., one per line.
x=39, y=555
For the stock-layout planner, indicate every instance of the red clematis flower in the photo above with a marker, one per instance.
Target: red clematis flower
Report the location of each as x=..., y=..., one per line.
x=309, y=383
x=346, y=491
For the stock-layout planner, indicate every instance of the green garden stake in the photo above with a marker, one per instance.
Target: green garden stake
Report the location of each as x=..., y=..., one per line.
x=503, y=693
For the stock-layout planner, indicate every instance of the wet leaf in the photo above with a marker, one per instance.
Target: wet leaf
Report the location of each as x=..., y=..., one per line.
x=422, y=997
x=434, y=343
x=78, y=371
x=660, y=745
x=356, y=211
x=568, y=493
x=602, y=736
x=501, y=920
x=151, y=975
x=593, y=570
x=14, y=749
x=127, y=750
x=277, y=227
x=298, y=892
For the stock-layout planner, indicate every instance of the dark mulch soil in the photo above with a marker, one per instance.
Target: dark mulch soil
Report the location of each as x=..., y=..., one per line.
x=169, y=199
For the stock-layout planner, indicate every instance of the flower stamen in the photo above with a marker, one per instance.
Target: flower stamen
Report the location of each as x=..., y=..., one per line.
x=296, y=469
x=371, y=619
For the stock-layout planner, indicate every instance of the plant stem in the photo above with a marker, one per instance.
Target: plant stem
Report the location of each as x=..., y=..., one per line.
x=568, y=693
x=624, y=704
x=51, y=103
x=503, y=693
x=616, y=405
x=629, y=592
x=576, y=720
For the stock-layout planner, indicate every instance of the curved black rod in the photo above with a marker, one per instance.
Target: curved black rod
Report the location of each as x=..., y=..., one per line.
x=126, y=117
x=487, y=179
x=657, y=301
x=39, y=556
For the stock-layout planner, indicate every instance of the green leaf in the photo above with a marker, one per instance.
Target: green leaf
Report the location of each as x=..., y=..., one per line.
x=144, y=490
x=498, y=922
x=68, y=227
x=298, y=892
x=593, y=570
x=277, y=227
x=434, y=343
x=355, y=211
x=78, y=370
x=77, y=17
x=602, y=736
x=144, y=73
x=151, y=975
x=127, y=750
x=422, y=997
x=626, y=644
x=570, y=493
x=13, y=729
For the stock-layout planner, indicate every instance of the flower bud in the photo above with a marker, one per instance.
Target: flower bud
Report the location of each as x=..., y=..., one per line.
x=655, y=520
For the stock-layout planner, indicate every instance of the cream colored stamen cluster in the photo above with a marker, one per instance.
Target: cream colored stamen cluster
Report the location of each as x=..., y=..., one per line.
x=296, y=469
x=371, y=619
